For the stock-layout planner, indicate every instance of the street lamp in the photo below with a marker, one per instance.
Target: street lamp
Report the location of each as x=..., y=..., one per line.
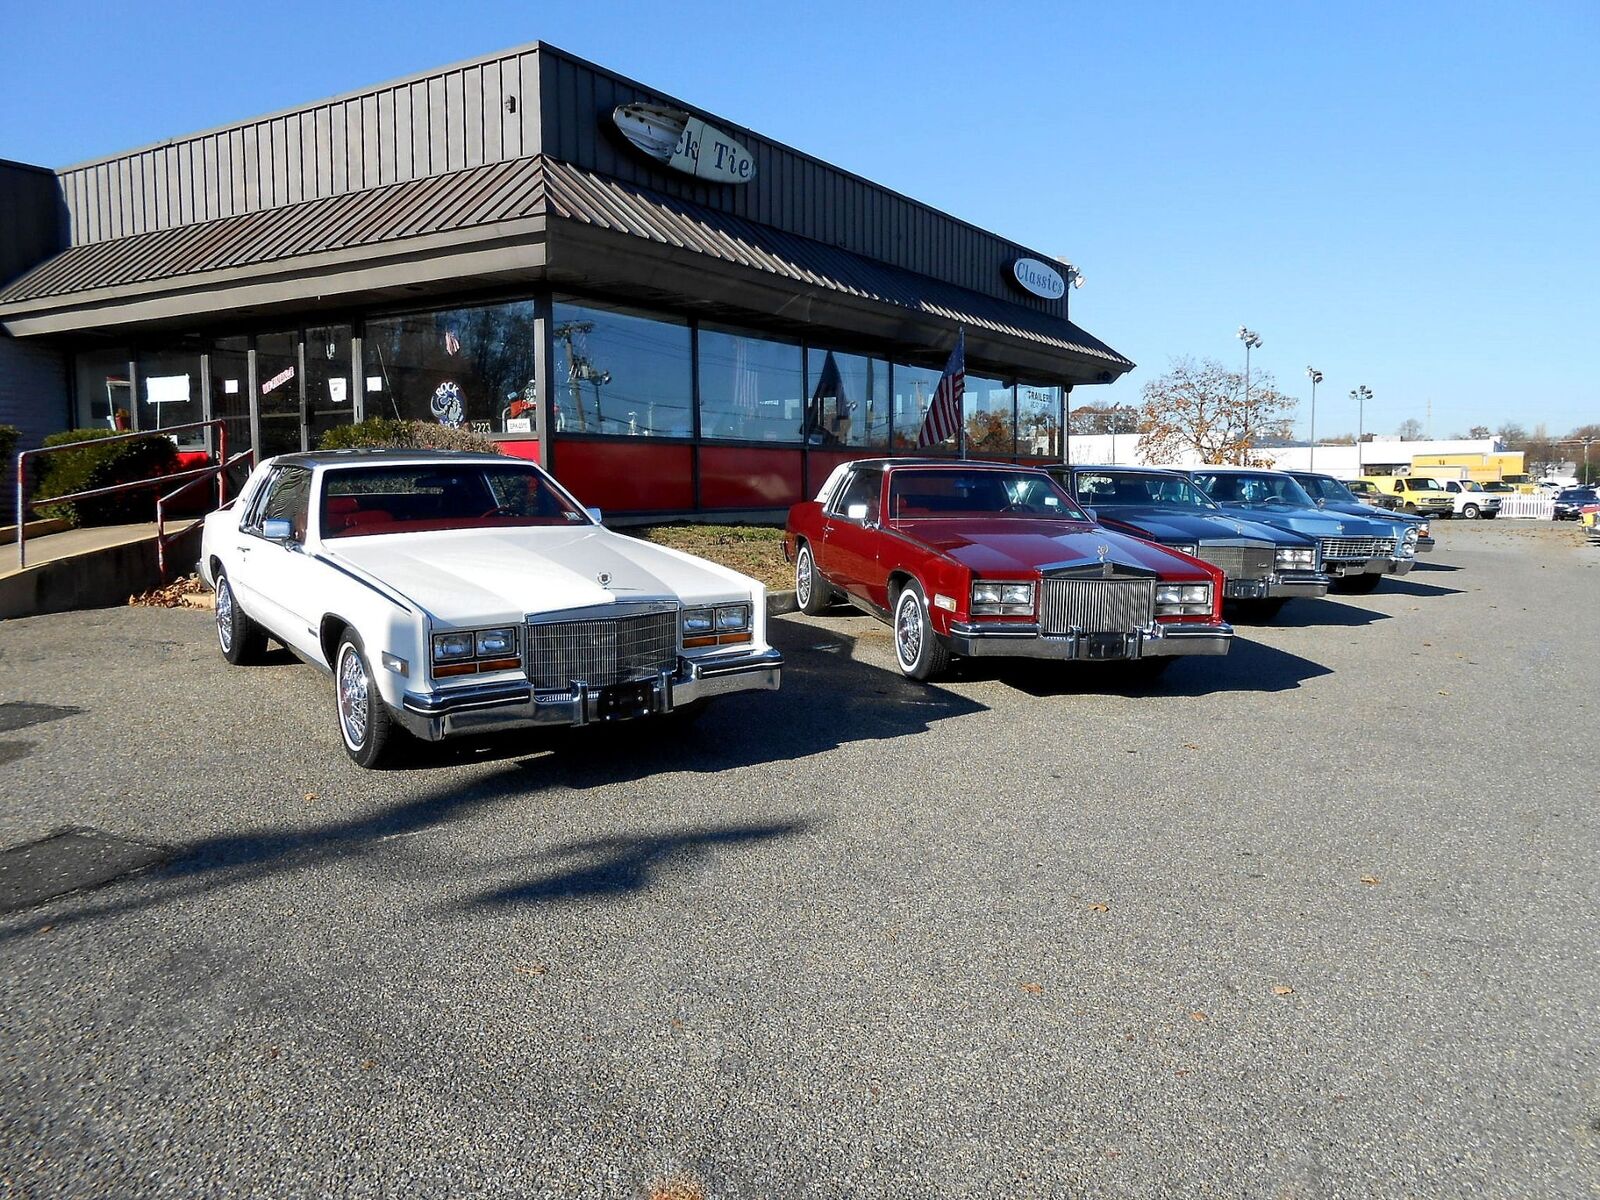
x=1360, y=394
x=1316, y=378
x=1252, y=341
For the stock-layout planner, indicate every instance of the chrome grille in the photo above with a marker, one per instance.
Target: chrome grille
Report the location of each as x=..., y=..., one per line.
x=1097, y=605
x=1348, y=549
x=1239, y=562
x=602, y=651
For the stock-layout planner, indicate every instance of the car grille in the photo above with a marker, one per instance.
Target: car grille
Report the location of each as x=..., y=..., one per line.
x=1239, y=562
x=1359, y=548
x=602, y=652
x=1097, y=605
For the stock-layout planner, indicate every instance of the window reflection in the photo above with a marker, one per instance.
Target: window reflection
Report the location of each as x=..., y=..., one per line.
x=849, y=404
x=464, y=367
x=620, y=372
x=105, y=396
x=914, y=388
x=169, y=392
x=989, y=417
x=750, y=388
x=1038, y=421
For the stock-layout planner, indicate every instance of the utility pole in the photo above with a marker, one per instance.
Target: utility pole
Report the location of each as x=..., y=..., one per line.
x=1316, y=378
x=581, y=369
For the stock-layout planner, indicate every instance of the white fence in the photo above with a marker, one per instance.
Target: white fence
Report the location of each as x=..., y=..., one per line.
x=1528, y=508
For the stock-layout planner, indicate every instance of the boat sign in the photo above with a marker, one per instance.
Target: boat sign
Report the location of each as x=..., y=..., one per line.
x=1039, y=278
x=684, y=143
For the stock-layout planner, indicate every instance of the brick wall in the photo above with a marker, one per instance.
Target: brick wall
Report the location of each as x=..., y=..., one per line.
x=33, y=397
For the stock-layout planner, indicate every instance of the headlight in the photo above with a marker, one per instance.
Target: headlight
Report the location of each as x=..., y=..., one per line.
x=1296, y=558
x=1002, y=599
x=1183, y=599
x=1408, y=542
x=697, y=620
x=493, y=643
x=723, y=625
x=732, y=618
x=450, y=647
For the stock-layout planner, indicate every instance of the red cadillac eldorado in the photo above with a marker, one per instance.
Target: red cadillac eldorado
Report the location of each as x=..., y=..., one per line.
x=967, y=558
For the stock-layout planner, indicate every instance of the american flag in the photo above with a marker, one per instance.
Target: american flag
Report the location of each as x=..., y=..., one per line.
x=943, y=420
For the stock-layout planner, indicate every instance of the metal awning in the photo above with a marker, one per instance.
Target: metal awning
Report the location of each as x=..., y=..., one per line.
x=530, y=219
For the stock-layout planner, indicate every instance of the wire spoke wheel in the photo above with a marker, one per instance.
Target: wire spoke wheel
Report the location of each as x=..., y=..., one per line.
x=908, y=628
x=224, y=615
x=802, y=577
x=353, y=698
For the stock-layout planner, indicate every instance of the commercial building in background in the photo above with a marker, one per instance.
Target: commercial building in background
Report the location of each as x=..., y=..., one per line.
x=1481, y=459
x=673, y=312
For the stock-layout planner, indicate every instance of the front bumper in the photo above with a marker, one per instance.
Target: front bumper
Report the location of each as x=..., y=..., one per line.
x=1025, y=641
x=1279, y=585
x=1371, y=566
x=1425, y=544
x=495, y=707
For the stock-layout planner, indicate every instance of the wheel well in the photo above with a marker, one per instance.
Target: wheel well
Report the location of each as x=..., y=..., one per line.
x=215, y=564
x=332, y=630
x=897, y=581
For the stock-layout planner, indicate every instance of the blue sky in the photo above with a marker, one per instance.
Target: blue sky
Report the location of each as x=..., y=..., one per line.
x=1405, y=195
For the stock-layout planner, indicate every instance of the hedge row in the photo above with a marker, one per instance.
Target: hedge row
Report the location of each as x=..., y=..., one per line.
x=90, y=467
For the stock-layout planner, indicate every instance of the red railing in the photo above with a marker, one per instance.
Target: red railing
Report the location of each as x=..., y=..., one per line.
x=218, y=469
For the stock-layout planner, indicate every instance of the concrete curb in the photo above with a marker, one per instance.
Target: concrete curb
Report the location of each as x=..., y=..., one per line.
x=779, y=603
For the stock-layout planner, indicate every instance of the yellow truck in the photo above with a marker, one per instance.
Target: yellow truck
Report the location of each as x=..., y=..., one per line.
x=1419, y=494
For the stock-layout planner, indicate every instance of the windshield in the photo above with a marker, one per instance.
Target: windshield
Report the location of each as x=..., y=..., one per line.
x=1468, y=485
x=360, y=501
x=1107, y=489
x=1257, y=491
x=1321, y=487
x=952, y=492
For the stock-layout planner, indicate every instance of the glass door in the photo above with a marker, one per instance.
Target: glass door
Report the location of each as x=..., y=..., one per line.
x=279, y=394
x=329, y=387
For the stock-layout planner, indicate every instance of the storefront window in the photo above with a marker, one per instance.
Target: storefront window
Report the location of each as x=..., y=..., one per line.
x=621, y=373
x=278, y=393
x=750, y=388
x=989, y=417
x=914, y=388
x=170, y=392
x=1038, y=421
x=849, y=403
x=328, y=390
x=105, y=396
x=464, y=367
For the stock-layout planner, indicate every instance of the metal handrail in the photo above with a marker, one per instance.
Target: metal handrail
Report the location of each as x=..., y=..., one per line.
x=219, y=469
x=24, y=499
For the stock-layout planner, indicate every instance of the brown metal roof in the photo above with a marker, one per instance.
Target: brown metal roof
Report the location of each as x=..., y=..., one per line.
x=528, y=187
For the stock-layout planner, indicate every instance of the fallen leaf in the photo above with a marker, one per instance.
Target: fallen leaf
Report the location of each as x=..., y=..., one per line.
x=533, y=969
x=1181, y=1072
x=368, y=1063
x=1442, y=692
x=1370, y=879
x=310, y=796
x=677, y=1187
x=1283, y=990
x=44, y=929
x=1198, y=1017
x=1033, y=989
x=1099, y=908
x=1190, y=746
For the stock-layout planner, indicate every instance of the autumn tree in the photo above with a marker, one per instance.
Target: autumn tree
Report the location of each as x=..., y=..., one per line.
x=1201, y=408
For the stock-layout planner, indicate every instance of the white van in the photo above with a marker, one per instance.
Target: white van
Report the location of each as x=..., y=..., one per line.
x=1471, y=500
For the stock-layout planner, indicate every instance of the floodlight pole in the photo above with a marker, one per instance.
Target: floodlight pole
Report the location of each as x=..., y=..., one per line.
x=1316, y=378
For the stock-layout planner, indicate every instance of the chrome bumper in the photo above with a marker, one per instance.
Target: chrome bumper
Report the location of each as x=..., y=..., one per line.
x=492, y=708
x=1025, y=641
x=1287, y=585
x=1425, y=545
x=1372, y=566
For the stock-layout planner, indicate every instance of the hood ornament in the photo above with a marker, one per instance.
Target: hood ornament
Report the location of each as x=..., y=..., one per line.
x=603, y=578
x=1102, y=550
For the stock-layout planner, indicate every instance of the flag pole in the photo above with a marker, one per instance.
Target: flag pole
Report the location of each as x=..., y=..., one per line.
x=961, y=414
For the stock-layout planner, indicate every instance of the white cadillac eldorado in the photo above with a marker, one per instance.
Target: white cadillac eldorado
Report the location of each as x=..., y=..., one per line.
x=452, y=593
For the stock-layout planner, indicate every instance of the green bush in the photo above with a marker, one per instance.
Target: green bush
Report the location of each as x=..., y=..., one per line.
x=381, y=433
x=10, y=435
x=90, y=467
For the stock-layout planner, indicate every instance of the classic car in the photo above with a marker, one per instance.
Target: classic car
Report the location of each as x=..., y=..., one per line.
x=1472, y=499
x=1356, y=551
x=979, y=559
x=453, y=593
x=1369, y=494
x=1264, y=566
x=1333, y=495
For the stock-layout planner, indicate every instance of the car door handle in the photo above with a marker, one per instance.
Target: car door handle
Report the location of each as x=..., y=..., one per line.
x=244, y=549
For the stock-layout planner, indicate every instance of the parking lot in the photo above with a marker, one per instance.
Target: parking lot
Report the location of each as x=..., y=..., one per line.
x=1316, y=919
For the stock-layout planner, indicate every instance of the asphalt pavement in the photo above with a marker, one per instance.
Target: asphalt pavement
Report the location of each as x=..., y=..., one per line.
x=1317, y=919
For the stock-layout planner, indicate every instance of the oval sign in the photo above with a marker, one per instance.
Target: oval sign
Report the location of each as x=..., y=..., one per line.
x=684, y=143
x=1039, y=278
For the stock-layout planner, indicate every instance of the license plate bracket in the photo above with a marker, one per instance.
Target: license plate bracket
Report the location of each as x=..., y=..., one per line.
x=1099, y=647
x=623, y=701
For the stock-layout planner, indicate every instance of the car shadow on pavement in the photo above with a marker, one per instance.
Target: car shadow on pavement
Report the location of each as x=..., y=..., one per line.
x=1247, y=667
x=1410, y=587
x=1307, y=614
x=1432, y=566
x=598, y=868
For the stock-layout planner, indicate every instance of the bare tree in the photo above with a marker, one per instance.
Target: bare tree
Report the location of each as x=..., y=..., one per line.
x=1201, y=407
x=1480, y=431
x=1410, y=429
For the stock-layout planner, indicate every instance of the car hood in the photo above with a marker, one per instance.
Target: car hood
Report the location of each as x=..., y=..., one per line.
x=1163, y=524
x=1372, y=510
x=506, y=574
x=1314, y=522
x=1016, y=546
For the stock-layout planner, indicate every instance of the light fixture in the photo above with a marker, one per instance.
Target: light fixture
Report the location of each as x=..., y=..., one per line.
x=1316, y=377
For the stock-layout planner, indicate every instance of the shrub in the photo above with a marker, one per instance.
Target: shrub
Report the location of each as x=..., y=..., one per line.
x=10, y=435
x=90, y=467
x=382, y=433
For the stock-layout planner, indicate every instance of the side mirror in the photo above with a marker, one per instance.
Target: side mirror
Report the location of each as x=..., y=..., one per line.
x=1321, y=503
x=276, y=529
x=1089, y=512
x=595, y=515
x=856, y=512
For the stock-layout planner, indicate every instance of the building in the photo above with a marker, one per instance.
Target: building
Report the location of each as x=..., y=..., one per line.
x=1481, y=458
x=673, y=312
